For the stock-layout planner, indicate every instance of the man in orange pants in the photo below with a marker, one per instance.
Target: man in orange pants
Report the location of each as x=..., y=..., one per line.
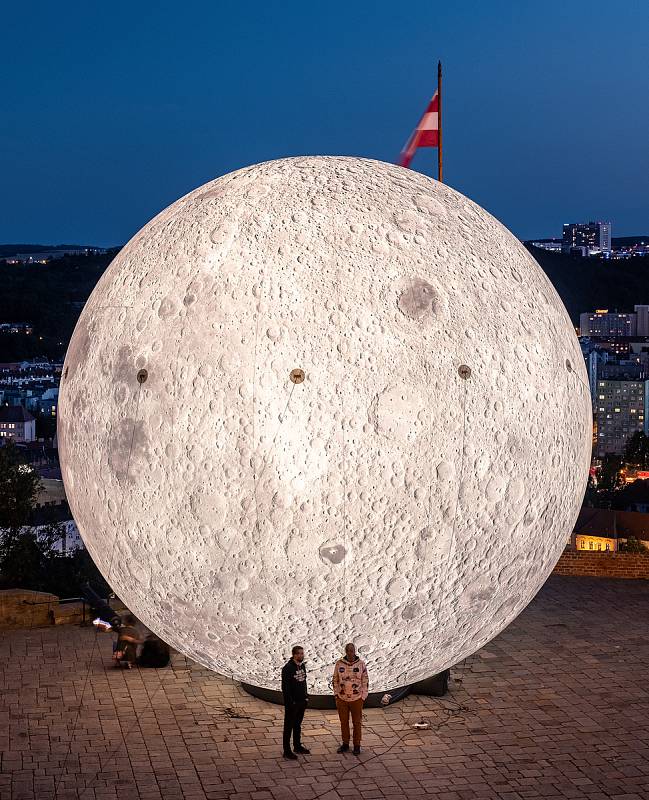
x=351, y=684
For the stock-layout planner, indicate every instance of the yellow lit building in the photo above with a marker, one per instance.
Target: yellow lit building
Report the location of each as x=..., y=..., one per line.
x=591, y=542
x=602, y=530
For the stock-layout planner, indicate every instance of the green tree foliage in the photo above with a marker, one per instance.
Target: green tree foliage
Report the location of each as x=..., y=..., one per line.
x=591, y=497
x=28, y=561
x=23, y=561
x=45, y=426
x=632, y=545
x=609, y=475
x=68, y=574
x=636, y=452
x=611, y=490
x=19, y=488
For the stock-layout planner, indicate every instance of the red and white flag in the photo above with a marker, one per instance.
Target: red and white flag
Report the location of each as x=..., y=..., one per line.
x=426, y=134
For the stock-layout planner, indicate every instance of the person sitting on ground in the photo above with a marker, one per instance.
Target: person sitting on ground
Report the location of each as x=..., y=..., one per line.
x=127, y=641
x=155, y=652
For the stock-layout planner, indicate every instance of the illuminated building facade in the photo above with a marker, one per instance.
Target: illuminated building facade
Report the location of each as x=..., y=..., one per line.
x=17, y=423
x=594, y=542
x=642, y=320
x=620, y=410
x=591, y=236
x=604, y=323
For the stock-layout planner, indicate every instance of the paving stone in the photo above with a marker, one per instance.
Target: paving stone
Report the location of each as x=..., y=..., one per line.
x=553, y=708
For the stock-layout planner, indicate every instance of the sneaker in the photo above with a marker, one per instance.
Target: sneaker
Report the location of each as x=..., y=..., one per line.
x=290, y=756
x=302, y=750
x=357, y=750
x=343, y=748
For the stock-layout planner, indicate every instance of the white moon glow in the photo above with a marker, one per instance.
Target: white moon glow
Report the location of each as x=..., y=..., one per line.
x=390, y=497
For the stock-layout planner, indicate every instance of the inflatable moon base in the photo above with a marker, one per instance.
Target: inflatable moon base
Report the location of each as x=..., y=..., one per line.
x=322, y=400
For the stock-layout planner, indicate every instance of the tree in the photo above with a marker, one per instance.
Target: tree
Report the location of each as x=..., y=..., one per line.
x=23, y=561
x=609, y=474
x=29, y=560
x=19, y=488
x=632, y=545
x=591, y=497
x=632, y=496
x=68, y=574
x=45, y=426
x=636, y=451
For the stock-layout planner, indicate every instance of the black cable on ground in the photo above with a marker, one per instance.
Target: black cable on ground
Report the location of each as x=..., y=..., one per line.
x=408, y=732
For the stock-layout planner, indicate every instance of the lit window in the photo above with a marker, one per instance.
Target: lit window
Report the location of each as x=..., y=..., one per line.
x=608, y=546
x=590, y=545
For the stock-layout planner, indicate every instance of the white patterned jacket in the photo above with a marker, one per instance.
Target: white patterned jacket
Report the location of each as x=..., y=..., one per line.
x=351, y=681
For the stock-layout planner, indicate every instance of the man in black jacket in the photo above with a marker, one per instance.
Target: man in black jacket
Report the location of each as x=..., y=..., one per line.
x=295, y=701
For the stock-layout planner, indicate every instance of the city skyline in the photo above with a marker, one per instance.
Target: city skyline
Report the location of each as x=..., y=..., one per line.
x=117, y=112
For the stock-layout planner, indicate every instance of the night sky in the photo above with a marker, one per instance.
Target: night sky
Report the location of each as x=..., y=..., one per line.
x=113, y=110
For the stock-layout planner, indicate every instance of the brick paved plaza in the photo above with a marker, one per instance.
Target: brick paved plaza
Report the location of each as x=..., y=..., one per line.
x=555, y=707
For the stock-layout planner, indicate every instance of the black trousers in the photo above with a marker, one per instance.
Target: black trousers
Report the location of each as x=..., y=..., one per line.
x=293, y=716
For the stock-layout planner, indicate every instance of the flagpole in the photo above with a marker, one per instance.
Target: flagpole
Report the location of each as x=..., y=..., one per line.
x=439, y=121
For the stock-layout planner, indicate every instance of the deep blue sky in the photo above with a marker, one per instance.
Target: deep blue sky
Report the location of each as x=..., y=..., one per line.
x=110, y=111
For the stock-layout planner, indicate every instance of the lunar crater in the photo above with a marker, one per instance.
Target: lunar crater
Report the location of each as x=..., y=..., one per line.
x=418, y=300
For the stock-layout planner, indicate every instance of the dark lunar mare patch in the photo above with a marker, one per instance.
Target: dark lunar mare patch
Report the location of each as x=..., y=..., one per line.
x=418, y=300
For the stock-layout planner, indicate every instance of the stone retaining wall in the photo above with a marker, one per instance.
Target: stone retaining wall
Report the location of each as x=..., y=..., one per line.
x=22, y=608
x=68, y=613
x=598, y=564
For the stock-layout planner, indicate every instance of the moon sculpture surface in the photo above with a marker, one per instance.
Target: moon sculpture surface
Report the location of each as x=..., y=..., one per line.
x=322, y=400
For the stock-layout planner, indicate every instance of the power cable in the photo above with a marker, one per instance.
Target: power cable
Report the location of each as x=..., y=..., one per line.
x=450, y=714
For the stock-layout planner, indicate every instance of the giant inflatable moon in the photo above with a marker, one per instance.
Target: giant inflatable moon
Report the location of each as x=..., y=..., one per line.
x=320, y=400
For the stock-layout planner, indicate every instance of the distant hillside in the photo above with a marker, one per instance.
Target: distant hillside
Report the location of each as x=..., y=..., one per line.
x=627, y=241
x=585, y=284
x=8, y=250
x=50, y=297
x=616, y=241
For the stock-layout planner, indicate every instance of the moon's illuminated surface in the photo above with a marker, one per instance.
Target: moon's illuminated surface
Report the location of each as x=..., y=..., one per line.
x=385, y=499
